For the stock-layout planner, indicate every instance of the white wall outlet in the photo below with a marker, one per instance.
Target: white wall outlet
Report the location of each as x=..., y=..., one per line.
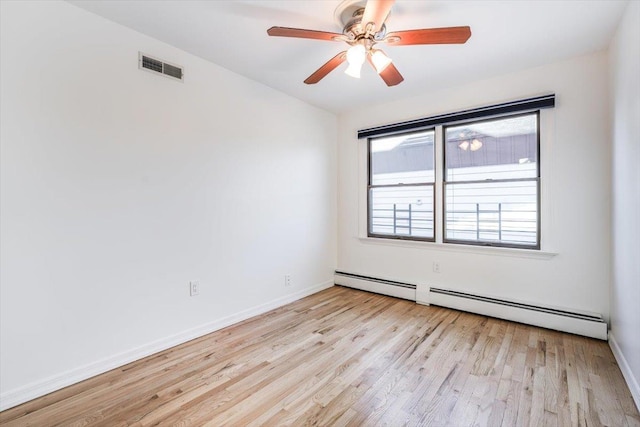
x=436, y=267
x=287, y=280
x=194, y=288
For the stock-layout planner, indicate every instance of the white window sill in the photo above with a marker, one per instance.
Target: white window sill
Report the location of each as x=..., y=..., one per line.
x=451, y=247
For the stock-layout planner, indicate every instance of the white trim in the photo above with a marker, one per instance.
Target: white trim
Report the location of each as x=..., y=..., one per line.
x=39, y=388
x=422, y=295
x=451, y=247
x=547, y=126
x=632, y=382
x=372, y=286
x=588, y=328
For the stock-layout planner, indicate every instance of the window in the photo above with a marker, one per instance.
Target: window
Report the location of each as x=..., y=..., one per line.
x=492, y=182
x=487, y=191
x=401, y=186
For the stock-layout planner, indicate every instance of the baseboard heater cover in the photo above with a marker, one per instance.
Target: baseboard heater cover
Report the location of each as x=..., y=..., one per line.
x=590, y=325
x=377, y=285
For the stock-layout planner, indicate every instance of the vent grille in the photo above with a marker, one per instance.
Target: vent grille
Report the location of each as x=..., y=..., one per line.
x=151, y=64
x=172, y=71
x=146, y=62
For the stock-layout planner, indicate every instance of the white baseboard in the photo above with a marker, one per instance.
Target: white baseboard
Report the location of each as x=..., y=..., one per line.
x=422, y=295
x=39, y=388
x=531, y=315
x=377, y=286
x=632, y=382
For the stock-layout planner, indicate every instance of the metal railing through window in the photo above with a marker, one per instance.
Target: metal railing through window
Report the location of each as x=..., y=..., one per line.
x=494, y=222
x=402, y=220
x=491, y=222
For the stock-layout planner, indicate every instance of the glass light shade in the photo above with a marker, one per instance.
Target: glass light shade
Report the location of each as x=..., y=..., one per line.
x=380, y=60
x=355, y=57
x=353, y=70
x=464, y=145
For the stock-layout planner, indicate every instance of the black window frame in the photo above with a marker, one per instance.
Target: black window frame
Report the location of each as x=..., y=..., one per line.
x=490, y=112
x=371, y=186
x=537, y=178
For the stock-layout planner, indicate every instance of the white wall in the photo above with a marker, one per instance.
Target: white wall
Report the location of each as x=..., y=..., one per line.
x=575, y=190
x=625, y=284
x=120, y=186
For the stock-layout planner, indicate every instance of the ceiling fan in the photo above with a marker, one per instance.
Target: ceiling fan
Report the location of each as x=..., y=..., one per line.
x=364, y=28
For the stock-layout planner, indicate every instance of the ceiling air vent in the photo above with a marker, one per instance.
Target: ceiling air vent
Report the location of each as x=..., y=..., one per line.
x=146, y=62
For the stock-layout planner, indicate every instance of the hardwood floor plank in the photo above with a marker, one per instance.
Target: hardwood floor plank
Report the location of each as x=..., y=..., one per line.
x=344, y=357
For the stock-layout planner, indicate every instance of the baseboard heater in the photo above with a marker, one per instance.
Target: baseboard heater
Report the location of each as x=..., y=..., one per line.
x=377, y=285
x=590, y=325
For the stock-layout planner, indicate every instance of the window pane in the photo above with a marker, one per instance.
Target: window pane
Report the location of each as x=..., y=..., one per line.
x=402, y=211
x=493, y=149
x=496, y=212
x=404, y=159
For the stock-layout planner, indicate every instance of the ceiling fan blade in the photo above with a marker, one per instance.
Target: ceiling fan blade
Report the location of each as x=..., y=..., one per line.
x=303, y=34
x=390, y=74
x=331, y=65
x=447, y=35
x=376, y=11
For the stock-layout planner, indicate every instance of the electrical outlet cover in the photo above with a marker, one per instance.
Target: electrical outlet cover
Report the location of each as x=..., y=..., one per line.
x=194, y=288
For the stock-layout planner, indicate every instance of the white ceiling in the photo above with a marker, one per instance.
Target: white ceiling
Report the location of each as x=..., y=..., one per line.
x=506, y=36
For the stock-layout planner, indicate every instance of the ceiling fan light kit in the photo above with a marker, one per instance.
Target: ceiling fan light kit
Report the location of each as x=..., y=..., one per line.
x=356, y=56
x=380, y=60
x=363, y=28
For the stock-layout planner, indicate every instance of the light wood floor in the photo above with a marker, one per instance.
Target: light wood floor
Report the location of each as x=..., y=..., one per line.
x=345, y=357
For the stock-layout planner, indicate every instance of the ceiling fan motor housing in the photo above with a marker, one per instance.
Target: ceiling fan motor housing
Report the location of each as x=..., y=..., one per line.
x=355, y=31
